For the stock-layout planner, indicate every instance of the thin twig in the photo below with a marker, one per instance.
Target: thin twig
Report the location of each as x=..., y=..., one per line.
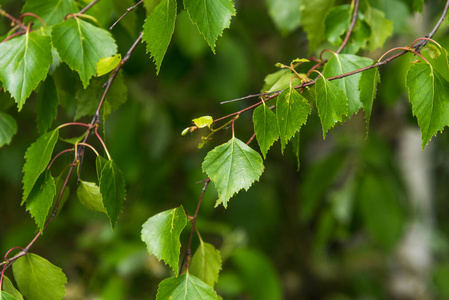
x=88, y=6
x=14, y=20
x=419, y=46
x=130, y=9
x=351, y=28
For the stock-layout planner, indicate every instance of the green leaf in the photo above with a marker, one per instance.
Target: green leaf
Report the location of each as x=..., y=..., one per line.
x=206, y=263
x=24, y=62
x=46, y=105
x=37, y=157
x=150, y=5
x=51, y=11
x=161, y=235
x=41, y=197
x=265, y=126
x=100, y=162
x=204, y=121
x=313, y=16
x=107, y=64
x=368, y=89
x=418, y=5
x=5, y=296
x=89, y=195
x=344, y=63
x=158, y=30
x=337, y=23
x=11, y=289
x=292, y=110
x=286, y=14
x=8, y=128
x=38, y=279
x=211, y=17
x=331, y=103
x=280, y=80
x=112, y=188
x=232, y=166
x=185, y=287
x=429, y=95
x=295, y=146
x=381, y=28
x=81, y=45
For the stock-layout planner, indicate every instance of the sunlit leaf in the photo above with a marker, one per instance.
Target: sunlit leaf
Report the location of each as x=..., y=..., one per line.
x=107, y=64
x=205, y=121
x=185, y=287
x=280, y=80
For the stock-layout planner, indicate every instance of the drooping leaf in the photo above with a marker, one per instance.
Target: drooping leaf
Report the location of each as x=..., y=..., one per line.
x=107, y=64
x=112, y=188
x=286, y=14
x=158, y=30
x=100, y=162
x=89, y=195
x=37, y=157
x=344, y=63
x=161, y=235
x=265, y=127
x=429, y=95
x=11, y=289
x=41, y=197
x=368, y=89
x=211, y=17
x=38, y=279
x=231, y=167
x=185, y=287
x=205, y=121
x=381, y=28
x=292, y=110
x=206, y=263
x=24, y=62
x=331, y=102
x=46, y=105
x=8, y=128
x=280, y=80
x=81, y=45
x=337, y=23
x=51, y=11
x=314, y=12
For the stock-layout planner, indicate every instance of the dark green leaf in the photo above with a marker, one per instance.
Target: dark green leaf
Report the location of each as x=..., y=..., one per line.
x=381, y=28
x=112, y=188
x=206, y=263
x=161, y=235
x=292, y=111
x=41, y=197
x=211, y=17
x=120, y=6
x=418, y=5
x=100, y=161
x=38, y=279
x=8, y=128
x=265, y=127
x=150, y=5
x=51, y=11
x=37, y=157
x=24, y=62
x=158, y=30
x=368, y=88
x=331, y=102
x=47, y=105
x=11, y=289
x=185, y=287
x=337, y=23
x=89, y=195
x=81, y=45
x=313, y=16
x=231, y=167
x=286, y=14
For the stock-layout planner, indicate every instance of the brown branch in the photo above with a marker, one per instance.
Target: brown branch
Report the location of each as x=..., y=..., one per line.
x=13, y=20
x=351, y=27
x=88, y=6
x=130, y=9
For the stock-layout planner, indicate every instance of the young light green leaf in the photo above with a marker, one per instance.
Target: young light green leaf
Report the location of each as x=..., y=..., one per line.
x=337, y=23
x=81, y=45
x=185, y=287
x=11, y=289
x=24, y=62
x=100, y=162
x=5, y=296
x=343, y=63
x=280, y=80
x=46, y=105
x=112, y=188
x=286, y=14
x=381, y=28
x=107, y=64
x=37, y=157
x=331, y=103
x=206, y=263
x=368, y=89
x=204, y=121
x=265, y=126
x=89, y=195
x=158, y=30
x=429, y=95
x=161, y=235
x=232, y=166
x=211, y=17
x=38, y=279
x=314, y=12
x=8, y=128
x=292, y=111
x=51, y=11
x=40, y=198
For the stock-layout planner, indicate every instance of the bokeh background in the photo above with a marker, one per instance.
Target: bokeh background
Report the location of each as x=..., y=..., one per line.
x=365, y=217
